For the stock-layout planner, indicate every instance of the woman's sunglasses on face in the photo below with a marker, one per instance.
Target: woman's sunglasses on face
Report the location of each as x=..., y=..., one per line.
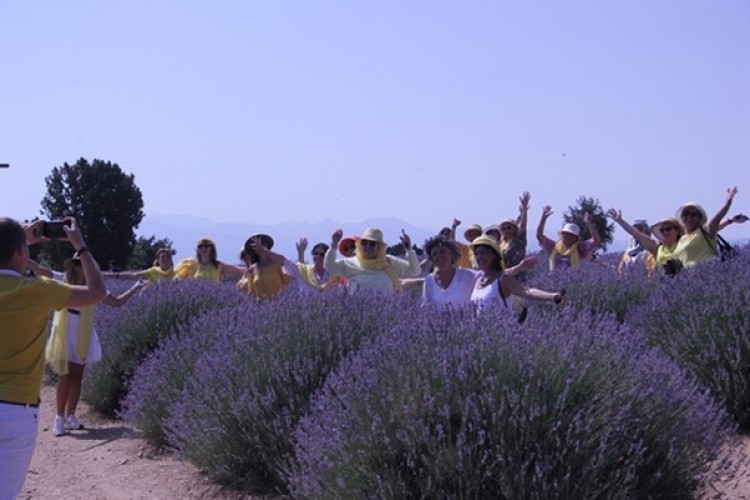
x=690, y=213
x=668, y=229
x=368, y=243
x=319, y=254
x=204, y=245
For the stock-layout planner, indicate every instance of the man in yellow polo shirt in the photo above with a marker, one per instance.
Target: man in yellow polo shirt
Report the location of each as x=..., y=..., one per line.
x=25, y=304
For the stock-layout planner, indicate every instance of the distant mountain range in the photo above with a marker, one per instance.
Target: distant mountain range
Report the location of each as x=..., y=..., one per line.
x=185, y=231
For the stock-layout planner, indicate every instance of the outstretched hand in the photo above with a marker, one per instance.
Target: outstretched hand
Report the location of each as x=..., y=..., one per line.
x=302, y=245
x=524, y=199
x=731, y=192
x=547, y=211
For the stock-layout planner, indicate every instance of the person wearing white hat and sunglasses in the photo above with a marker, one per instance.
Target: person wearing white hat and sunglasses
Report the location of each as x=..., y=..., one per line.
x=698, y=244
x=370, y=268
x=569, y=251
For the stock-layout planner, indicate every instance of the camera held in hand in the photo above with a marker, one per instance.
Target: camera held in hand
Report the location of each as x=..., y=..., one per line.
x=672, y=267
x=54, y=229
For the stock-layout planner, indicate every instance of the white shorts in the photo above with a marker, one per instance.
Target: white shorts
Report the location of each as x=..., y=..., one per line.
x=95, y=347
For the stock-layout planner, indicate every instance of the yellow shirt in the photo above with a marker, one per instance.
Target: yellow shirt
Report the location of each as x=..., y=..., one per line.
x=25, y=305
x=265, y=283
x=156, y=274
x=664, y=254
x=208, y=272
x=693, y=249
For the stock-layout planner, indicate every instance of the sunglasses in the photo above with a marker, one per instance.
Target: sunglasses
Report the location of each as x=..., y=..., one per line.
x=506, y=228
x=691, y=213
x=368, y=243
x=319, y=254
x=668, y=229
x=204, y=245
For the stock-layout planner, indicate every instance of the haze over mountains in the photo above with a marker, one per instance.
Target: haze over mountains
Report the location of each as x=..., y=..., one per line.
x=185, y=231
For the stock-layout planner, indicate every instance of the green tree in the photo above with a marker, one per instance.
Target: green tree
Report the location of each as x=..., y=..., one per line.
x=144, y=252
x=585, y=204
x=104, y=200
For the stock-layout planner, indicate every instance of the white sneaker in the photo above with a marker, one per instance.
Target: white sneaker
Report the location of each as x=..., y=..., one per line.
x=58, y=429
x=73, y=423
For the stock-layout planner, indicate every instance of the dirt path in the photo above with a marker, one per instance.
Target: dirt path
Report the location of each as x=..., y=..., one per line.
x=108, y=460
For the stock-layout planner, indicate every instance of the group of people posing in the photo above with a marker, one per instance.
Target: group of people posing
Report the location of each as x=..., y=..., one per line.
x=486, y=270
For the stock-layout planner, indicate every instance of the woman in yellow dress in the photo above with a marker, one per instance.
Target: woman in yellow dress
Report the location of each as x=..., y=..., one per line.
x=267, y=273
x=163, y=269
x=205, y=265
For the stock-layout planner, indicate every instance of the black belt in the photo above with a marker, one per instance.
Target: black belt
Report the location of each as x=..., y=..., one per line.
x=74, y=311
x=16, y=403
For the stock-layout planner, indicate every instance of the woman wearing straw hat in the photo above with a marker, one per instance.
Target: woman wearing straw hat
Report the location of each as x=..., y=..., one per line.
x=371, y=268
x=667, y=232
x=493, y=287
x=698, y=244
x=569, y=251
x=472, y=232
x=205, y=265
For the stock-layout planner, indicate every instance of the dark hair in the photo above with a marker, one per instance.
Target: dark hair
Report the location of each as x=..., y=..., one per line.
x=320, y=245
x=436, y=241
x=12, y=237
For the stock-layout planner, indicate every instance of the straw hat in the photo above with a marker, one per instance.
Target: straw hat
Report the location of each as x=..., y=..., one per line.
x=704, y=217
x=571, y=228
x=473, y=227
x=656, y=228
x=488, y=241
x=373, y=234
x=513, y=222
x=206, y=241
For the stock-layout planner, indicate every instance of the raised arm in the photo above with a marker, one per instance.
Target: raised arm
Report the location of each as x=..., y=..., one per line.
x=454, y=226
x=546, y=212
x=94, y=290
x=330, y=264
x=643, y=239
x=526, y=264
x=301, y=247
x=120, y=300
x=713, y=224
x=523, y=211
x=592, y=229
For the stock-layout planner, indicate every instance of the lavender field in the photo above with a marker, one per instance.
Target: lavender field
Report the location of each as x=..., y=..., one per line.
x=631, y=390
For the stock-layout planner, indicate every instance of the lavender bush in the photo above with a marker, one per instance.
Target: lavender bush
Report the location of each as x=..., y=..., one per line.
x=595, y=289
x=128, y=334
x=446, y=407
x=237, y=413
x=701, y=318
x=160, y=379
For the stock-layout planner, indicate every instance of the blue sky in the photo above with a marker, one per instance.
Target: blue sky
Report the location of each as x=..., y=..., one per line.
x=267, y=112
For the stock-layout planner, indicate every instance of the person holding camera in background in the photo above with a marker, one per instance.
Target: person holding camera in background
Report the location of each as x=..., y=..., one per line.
x=25, y=304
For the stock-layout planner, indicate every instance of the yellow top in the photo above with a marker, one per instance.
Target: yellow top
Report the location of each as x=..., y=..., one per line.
x=57, y=345
x=571, y=252
x=208, y=272
x=25, y=305
x=265, y=282
x=156, y=274
x=467, y=257
x=664, y=254
x=693, y=249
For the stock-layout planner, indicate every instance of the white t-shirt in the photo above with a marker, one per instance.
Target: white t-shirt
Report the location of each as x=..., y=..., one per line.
x=456, y=294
